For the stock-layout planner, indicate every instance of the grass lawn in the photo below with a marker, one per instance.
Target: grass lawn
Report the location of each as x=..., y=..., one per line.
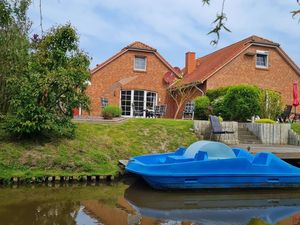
x=296, y=127
x=95, y=149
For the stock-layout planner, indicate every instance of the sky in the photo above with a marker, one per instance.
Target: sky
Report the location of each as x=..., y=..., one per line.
x=173, y=27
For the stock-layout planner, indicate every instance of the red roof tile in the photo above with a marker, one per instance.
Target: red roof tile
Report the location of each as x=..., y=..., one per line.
x=140, y=45
x=209, y=64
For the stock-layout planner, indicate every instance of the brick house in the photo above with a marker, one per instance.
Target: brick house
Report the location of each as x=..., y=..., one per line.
x=135, y=76
x=131, y=79
x=253, y=60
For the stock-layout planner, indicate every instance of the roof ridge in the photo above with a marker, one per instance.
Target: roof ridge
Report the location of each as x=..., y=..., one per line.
x=136, y=43
x=246, y=40
x=265, y=39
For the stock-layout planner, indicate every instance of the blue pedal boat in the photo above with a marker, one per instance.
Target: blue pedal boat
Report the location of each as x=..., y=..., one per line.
x=207, y=164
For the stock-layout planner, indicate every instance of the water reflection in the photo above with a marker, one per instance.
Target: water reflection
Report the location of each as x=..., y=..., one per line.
x=218, y=206
x=40, y=213
x=59, y=205
x=121, y=204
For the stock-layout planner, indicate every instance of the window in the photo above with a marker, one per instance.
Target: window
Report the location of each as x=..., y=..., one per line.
x=140, y=63
x=261, y=59
x=104, y=102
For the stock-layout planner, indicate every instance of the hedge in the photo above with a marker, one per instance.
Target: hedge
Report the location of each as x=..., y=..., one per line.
x=213, y=94
x=202, y=104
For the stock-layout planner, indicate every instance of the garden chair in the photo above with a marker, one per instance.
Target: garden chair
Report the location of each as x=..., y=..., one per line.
x=160, y=111
x=137, y=111
x=216, y=127
x=286, y=114
x=149, y=113
x=188, y=111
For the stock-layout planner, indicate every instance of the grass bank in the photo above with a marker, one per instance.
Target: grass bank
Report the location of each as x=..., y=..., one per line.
x=95, y=149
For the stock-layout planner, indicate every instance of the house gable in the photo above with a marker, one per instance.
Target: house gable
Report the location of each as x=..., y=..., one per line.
x=136, y=47
x=119, y=74
x=279, y=75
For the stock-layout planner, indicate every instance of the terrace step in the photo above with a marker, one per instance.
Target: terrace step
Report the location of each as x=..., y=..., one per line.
x=247, y=137
x=244, y=132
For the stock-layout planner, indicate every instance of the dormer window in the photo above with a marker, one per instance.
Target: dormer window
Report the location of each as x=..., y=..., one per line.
x=262, y=59
x=140, y=63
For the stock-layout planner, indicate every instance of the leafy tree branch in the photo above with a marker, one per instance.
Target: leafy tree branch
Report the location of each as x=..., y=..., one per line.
x=221, y=18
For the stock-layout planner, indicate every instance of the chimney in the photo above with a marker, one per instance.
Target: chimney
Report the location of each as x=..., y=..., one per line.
x=190, y=62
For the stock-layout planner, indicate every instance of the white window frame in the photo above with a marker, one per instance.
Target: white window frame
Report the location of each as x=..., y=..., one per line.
x=134, y=65
x=266, y=53
x=132, y=99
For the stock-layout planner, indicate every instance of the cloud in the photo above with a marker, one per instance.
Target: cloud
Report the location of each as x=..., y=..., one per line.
x=173, y=27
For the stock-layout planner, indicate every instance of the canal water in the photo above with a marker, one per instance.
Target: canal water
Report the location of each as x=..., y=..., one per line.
x=134, y=203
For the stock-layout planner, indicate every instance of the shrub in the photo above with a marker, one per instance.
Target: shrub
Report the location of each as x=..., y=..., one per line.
x=213, y=94
x=270, y=104
x=242, y=102
x=265, y=121
x=202, y=104
x=111, y=111
x=218, y=107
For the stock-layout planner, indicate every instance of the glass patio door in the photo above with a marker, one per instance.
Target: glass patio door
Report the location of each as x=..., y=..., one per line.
x=138, y=103
x=135, y=103
x=126, y=103
x=150, y=101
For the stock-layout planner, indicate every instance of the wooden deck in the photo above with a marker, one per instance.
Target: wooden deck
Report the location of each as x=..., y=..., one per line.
x=123, y=163
x=282, y=151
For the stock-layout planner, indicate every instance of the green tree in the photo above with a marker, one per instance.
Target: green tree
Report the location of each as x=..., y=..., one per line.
x=14, y=44
x=52, y=87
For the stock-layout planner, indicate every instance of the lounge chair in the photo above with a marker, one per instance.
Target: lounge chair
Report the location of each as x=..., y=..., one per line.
x=216, y=127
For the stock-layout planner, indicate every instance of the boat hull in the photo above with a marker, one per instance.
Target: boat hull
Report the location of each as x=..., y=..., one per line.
x=212, y=182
